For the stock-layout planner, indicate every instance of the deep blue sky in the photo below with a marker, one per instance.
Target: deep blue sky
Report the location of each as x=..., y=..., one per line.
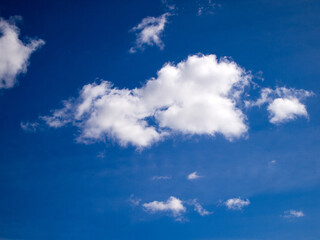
x=52, y=187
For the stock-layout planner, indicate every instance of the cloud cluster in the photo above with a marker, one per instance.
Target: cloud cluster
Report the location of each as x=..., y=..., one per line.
x=199, y=95
x=284, y=104
x=237, y=203
x=149, y=31
x=14, y=53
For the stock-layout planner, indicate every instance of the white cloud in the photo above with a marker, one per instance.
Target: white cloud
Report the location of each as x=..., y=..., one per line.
x=193, y=176
x=237, y=203
x=197, y=96
x=293, y=214
x=175, y=207
x=149, y=31
x=14, y=53
x=284, y=109
x=161, y=178
x=172, y=205
x=199, y=209
x=102, y=111
x=284, y=104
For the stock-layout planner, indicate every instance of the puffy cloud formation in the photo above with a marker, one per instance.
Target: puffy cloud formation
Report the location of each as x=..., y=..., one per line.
x=193, y=176
x=284, y=104
x=286, y=109
x=14, y=53
x=149, y=31
x=293, y=214
x=172, y=205
x=237, y=203
x=199, y=209
x=197, y=96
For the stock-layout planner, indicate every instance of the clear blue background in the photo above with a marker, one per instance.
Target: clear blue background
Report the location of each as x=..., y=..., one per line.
x=53, y=188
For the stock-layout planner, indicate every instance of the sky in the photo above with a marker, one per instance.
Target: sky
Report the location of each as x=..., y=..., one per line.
x=172, y=119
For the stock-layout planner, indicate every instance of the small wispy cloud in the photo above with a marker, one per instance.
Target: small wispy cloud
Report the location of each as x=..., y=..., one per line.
x=161, y=178
x=101, y=155
x=272, y=163
x=29, y=126
x=236, y=203
x=148, y=32
x=134, y=201
x=168, y=5
x=293, y=214
x=193, y=176
x=199, y=209
x=206, y=7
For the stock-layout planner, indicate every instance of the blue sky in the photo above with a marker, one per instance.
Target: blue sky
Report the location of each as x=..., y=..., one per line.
x=159, y=120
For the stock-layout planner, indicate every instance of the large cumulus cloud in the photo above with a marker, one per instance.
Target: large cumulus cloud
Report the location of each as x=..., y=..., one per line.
x=199, y=95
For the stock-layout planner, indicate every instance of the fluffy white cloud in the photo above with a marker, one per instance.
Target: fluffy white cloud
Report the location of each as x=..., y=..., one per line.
x=286, y=109
x=172, y=205
x=197, y=96
x=14, y=53
x=175, y=207
x=237, y=203
x=193, y=176
x=283, y=104
x=149, y=31
x=103, y=111
x=293, y=214
x=199, y=209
